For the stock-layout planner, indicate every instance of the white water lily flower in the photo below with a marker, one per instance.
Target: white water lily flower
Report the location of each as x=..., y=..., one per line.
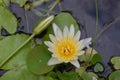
x=66, y=46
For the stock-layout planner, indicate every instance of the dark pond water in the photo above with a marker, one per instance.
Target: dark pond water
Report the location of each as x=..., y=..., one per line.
x=108, y=43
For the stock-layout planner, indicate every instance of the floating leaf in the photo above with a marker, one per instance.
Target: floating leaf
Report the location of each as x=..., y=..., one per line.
x=98, y=67
x=48, y=78
x=68, y=76
x=20, y=2
x=96, y=58
x=52, y=74
x=86, y=76
x=8, y=45
x=80, y=70
x=116, y=62
x=7, y=20
x=115, y=75
x=20, y=73
x=4, y=3
x=37, y=60
x=63, y=19
x=17, y=65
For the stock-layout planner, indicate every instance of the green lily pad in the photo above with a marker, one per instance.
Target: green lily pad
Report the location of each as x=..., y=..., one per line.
x=8, y=45
x=80, y=70
x=19, y=73
x=115, y=75
x=37, y=60
x=68, y=76
x=7, y=20
x=116, y=62
x=98, y=67
x=20, y=2
x=16, y=66
x=4, y=2
x=96, y=58
x=86, y=76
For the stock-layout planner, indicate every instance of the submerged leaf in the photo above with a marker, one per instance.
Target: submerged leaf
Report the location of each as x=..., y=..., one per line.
x=37, y=60
x=116, y=62
x=7, y=20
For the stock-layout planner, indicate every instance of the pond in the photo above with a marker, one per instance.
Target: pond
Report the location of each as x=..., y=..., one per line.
x=84, y=12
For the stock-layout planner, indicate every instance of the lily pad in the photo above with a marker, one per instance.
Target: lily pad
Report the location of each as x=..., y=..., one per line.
x=20, y=73
x=67, y=76
x=98, y=67
x=115, y=75
x=20, y=2
x=8, y=45
x=37, y=60
x=16, y=66
x=7, y=20
x=116, y=62
x=96, y=58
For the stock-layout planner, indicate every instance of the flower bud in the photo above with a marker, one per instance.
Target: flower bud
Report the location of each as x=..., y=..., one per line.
x=43, y=25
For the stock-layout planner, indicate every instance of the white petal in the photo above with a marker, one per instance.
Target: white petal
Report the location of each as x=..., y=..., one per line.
x=52, y=38
x=53, y=61
x=55, y=27
x=85, y=42
x=55, y=55
x=81, y=53
x=51, y=50
x=49, y=44
x=75, y=63
x=57, y=31
x=65, y=32
x=93, y=78
x=71, y=33
x=77, y=36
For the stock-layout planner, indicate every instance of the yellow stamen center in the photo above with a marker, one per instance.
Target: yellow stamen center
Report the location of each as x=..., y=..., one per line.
x=66, y=49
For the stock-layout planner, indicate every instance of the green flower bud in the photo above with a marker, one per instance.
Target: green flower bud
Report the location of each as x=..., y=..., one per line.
x=43, y=25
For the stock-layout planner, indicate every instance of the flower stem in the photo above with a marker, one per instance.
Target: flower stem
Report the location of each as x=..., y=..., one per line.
x=16, y=50
x=96, y=29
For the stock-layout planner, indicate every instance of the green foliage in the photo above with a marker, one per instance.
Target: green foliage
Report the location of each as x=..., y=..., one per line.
x=116, y=62
x=80, y=70
x=8, y=45
x=20, y=2
x=19, y=73
x=7, y=20
x=86, y=76
x=115, y=75
x=7, y=2
x=98, y=67
x=68, y=76
x=48, y=78
x=96, y=58
x=16, y=65
x=37, y=60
